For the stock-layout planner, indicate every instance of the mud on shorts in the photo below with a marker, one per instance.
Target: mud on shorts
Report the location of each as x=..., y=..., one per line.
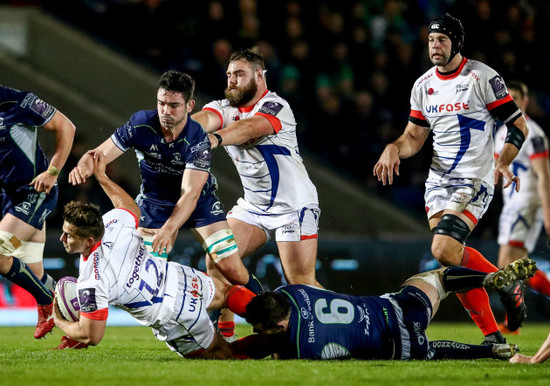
x=189, y=328
x=520, y=226
x=298, y=225
x=28, y=205
x=458, y=194
x=413, y=310
x=154, y=213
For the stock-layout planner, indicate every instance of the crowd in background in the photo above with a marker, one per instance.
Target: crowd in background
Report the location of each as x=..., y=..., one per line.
x=345, y=66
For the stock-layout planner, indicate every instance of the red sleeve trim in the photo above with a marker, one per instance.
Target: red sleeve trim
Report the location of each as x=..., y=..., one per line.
x=470, y=216
x=275, y=122
x=515, y=243
x=499, y=102
x=133, y=215
x=308, y=237
x=417, y=114
x=539, y=155
x=496, y=156
x=217, y=113
x=96, y=315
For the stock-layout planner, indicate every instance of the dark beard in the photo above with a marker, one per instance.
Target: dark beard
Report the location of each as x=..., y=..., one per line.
x=240, y=96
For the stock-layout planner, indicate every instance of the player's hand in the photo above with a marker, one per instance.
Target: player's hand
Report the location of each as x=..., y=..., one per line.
x=213, y=141
x=508, y=176
x=43, y=182
x=162, y=241
x=83, y=170
x=520, y=358
x=387, y=165
x=99, y=164
x=57, y=317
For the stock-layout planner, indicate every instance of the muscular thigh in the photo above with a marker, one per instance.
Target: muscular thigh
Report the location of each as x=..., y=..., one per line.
x=249, y=237
x=298, y=259
x=21, y=229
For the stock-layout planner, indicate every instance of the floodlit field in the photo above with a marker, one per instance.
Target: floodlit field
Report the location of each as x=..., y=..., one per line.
x=132, y=356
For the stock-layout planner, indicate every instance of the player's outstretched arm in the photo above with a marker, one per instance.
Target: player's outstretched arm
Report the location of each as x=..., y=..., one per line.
x=64, y=131
x=541, y=355
x=85, y=166
x=191, y=187
x=209, y=120
x=407, y=145
x=116, y=194
x=509, y=152
x=88, y=331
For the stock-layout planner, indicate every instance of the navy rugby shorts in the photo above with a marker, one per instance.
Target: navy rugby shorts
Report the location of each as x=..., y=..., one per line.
x=209, y=210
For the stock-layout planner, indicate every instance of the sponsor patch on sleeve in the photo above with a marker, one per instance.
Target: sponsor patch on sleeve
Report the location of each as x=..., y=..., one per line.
x=203, y=156
x=87, y=300
x=538, y=145
x=271, y=108
x=41, y=108
x=498, y=86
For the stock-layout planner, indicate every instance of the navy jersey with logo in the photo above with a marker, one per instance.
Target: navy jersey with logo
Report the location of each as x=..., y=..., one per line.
x=21, y=157
x=162, y=163
x=328, y=325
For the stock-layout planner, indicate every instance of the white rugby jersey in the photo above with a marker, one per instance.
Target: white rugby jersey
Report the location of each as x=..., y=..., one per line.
x=272, y=171
x=119, y=271
x=457, y=108
x=535, y=146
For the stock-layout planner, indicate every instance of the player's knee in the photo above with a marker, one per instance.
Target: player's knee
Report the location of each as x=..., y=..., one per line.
x=452, y=226
x=220, y=245
x=8, y=243
x=30, y=252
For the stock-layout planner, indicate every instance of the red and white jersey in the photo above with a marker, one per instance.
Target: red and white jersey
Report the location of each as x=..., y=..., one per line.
x=272, y=171
x=119, y=271
x=460, y=110
x=535, y=146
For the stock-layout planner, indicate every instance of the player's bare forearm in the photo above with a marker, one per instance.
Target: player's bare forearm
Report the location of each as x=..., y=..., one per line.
x=244, y=130
x=208, y=120
x=64, y=136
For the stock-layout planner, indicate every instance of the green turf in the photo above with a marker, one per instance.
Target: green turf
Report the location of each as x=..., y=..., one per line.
x=132, y=356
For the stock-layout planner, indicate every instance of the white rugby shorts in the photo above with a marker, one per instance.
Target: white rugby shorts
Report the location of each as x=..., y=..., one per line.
x=293, y=226
x=189, y=328
x=458, y=194
x=520, y=227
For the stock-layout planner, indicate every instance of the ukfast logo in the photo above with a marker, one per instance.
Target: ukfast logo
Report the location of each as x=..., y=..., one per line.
x=448, y=107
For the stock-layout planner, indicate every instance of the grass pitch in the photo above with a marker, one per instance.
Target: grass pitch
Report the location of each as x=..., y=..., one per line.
x=132, y=356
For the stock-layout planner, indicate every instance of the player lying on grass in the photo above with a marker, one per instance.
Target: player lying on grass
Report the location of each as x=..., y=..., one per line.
x=298, y=321
x=116, y=269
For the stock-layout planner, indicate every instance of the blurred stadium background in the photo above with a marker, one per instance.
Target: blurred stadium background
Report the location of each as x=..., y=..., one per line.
x=345, y=66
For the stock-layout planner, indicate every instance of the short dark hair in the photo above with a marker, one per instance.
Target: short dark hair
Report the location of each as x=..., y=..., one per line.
x=86, y=218
x=251, y=55
x=268, y=308
x=519, y=86
x=178, y=81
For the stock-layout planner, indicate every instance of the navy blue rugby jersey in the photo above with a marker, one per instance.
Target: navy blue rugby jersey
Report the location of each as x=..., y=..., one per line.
x=21, y=157
x=162, y=163
x=328, y=325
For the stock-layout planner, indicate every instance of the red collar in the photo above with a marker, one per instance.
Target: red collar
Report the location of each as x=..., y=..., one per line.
x=454, y=74
x=96, y=245
x=248, y=109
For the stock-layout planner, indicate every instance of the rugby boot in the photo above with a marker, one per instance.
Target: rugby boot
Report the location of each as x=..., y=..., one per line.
x=45, y=321
x=67, y=342
x=512, y=298
x=518, y=270
x=494, y=338
x=504, y=351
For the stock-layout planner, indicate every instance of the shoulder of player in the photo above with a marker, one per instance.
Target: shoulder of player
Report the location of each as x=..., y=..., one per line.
x=144, y=118
x=120, y=217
